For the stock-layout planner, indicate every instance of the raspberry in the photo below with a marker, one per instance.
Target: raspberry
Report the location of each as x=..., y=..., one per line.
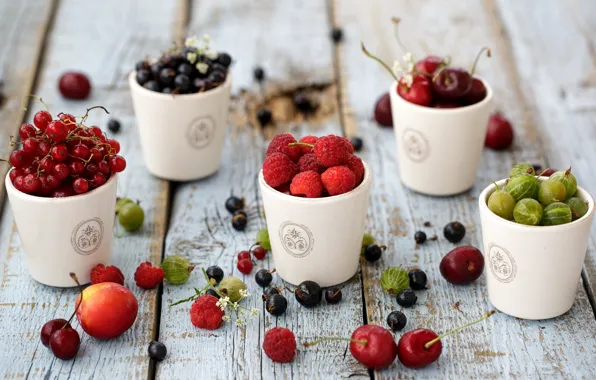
x=309, y=140
x=280, y=345
x=101, y=273
x=349, y=144
x=309, y=162
x=147, y=276
x=332, y=151
x=285, y=188
x=307, y=184
x=280, y=144
x=356, y=166
x=338, y=180
x=278, y=169
x=205, y=314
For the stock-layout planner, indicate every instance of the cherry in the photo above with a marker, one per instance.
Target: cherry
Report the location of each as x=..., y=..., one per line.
x=429, y=65
x=31, y=145
x=74, y=85
x=243, y=255
x=499, y=134
x=46, y=187
x=26, y=130
x=96, y=131
x=418, y=93
x=259, y=253
x=383, y=111
x=59, y=152
x=91, y=169
x=42, y=119
x=19, y=159
x=245, y=266
x=50, y=328
x=117, y=163
x=451, y=83
x=65, y=343
x=421, y=347
x=57, y=131
x=31, y=184
x=477, y=92
x=462, y=265
x=80, y=185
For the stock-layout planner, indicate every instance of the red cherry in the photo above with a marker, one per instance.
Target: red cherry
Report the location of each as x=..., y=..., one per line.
x=446, y=104
x=69, y=120
x=44, y=148
x=81, y=151
x=19, y=183
x=383, y=111
x=117, y=164
x=63, y=191
x=59, y=152
x=80, y=185
x=411, y=350
x=26, y=130
x=104, y=167
x=74, y=85
x=61, y=171
x=373, y=346
x=57, y=131
x=452, y=83
x=98, y=179
x=462, y=265
x=243, y=255
x=19, y=159
x=31, y=145
x=245, y=266
x=31, y=184
x=42, y=119
x=477, y=92
x=65, y=343
x=259, y=253
x=50, y=328
x=14, y=173
x=418, y=93
x=47, y=165
x=499, y=134
x=428, y=65
x=76, y=167
x=115, y=146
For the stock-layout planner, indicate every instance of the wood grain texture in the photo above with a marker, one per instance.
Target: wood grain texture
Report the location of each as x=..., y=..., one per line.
x=23, y=25
x=275, y=36
x=105, y=44
x=502, y=347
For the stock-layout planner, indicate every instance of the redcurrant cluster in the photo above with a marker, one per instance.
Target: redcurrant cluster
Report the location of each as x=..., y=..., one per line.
x=62, y=157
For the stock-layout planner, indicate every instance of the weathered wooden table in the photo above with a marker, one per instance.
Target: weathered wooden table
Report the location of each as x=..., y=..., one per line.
x=543, y=71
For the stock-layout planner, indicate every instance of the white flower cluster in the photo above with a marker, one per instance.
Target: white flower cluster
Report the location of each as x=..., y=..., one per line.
x=223, y=302
x=201, y=48
x=408, y=68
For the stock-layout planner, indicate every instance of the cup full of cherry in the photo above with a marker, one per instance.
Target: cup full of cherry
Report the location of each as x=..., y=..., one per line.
x=62, y=191
x=440, y=116
x=181, y=104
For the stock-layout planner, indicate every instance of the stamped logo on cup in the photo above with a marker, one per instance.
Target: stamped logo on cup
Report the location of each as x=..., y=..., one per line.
x=415, y=145
x=87, y=235
x=200, y=132
x=501, y=262
x=296, y=239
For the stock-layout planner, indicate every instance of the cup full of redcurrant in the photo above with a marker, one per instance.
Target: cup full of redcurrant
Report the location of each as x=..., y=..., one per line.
x=181, y=104
x=315, y=194
x=62, y=191
x=535, y=231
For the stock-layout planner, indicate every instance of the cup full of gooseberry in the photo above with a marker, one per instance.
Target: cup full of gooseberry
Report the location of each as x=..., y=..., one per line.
x=535, y=231
x=181, y=104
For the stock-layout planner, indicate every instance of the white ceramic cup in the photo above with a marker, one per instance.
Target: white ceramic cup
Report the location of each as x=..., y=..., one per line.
x=182, y=136
x=64, y=235
x=439, y=149
x=317, y=239
x=533, y=272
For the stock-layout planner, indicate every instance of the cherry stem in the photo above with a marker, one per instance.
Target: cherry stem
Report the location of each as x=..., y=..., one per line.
x=485, y=316
x=301, y=143
x=477, y=58
x=253, y=246
x=76, y=279
x=396, y=22
x=367, y=53
x=363, y=342
x=36, y=97
x=436, y=76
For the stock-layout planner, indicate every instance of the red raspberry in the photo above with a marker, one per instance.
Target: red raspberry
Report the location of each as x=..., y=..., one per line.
x=338, y=180
x=309, y=140
x=349, y=144
x=205, y=314
x=280, y=144
x=307, y=184
x=285, y=188
x=101, y=273
x=332, y=151
x=278, y=169
x=309, y=162
x=357, y=167
x=147, y=276
x=280, y=345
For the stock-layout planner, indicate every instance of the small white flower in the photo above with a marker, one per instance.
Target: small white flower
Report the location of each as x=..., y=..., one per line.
x=192, y=57
x=211, y=54
x=240, y=322
x=206, y=38
x=254, y=312
x=408, y=57
x=202, y=67
x=226, y=318
x=409, y=79
x=397, y=68
x=191, y=41
x=244, y=293
x=223, y=302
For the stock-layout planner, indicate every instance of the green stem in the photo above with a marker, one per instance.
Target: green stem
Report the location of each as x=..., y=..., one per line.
x=36, y=97
x=297, y=143
x=478, y=57
x=485, y=316
x=367, y=53
x=396, y=22
x=497, y=186
x=209, y=283
x=363, y=342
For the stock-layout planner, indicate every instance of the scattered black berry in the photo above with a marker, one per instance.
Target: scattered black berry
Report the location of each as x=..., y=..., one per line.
x=302, y=103
x=152, y=86
x=215, y=273
x=333, y=295
x=264, y=116
x=211, y=292
x=240, y=212
x=396, y=320
x=406, y=298
x=234, y=204
x=239, y=222
x=259, y=74
x=270, y=291
x=263, y=277
x=337, y=35
x=357, y=143
x=308, y=294
x=157, y=350
x=143, y=77
x=420, y=237
x=454, y=232
x=276, y=304
x=373, y=252
x=224, y=59
x=114, y=125
x=418, y=279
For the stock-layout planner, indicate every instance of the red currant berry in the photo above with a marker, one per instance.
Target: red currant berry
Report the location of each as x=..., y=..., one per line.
x=42, y=119
x=245, y=266
x=73, y=85
x=49, y=328
x=243, y=255
x=57, y=131
x=96, y=155
x=76, y=167
x=104, y=167
x=81, y=151
x=46, y=188
x=61, y=171
x=14, y=173
x=91, y=169
x=59, y=152
x=26, y=130
x=19, y=159
x=31, y=184
x=53, y=181
x=259, y=253
x=98, y=179
x=31, y=169
x=19, y=183
x=30, y=145
x=47, y=165
x=80, y=185
x=44, y=148
x=96, y=131
x=115, y=146
x=63, y=191
x=65, y=343
x=69, y=120
x=117, y=164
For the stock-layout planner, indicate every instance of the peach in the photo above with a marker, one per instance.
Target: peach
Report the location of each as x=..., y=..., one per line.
x=107, y=310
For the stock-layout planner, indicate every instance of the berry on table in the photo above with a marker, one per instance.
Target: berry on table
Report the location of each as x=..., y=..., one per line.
x=271, y=291
x=177, y=269
x=240, y=212
x=420, y=237
x=373, y=252
x=74, y=85
x=499, y=134
x=337, y=34
x=382, y=113
x=308, y=294
x=333, y=295
x=418, y=279
x=462, y=265
x=239, y=222
x=147, y=276
x=131, y=216
x=102, y=273
x=157, y=350
x=50, y=328
x=114, y=125
x=264, y=277
x=264, y=116
x=216, y=273
x=245, y=266
x=259, y=74
x=407, y=298
x=231, y=287
x=454, y=232
x=396, y=320
x=279, y=345
x=234, y=204
x=276, y=304
x=65, y=343
x=243, y=255
x=259, y=253
x=206, y=314
x=357, y=143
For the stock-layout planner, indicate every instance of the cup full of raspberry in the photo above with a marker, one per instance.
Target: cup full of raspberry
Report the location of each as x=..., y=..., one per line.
x=181, y=104
x=315, y=194
x=62, y=191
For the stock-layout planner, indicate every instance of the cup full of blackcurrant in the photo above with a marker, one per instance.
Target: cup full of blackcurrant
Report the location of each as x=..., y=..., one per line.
x=181, y=104
x=535, y=232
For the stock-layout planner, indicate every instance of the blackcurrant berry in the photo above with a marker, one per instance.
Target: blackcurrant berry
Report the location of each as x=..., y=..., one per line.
x=373, y=252
x=420, y=237
x=142, y=65
x=357, y=143
x=240, y=212
x=114, y=125
x=186, y=69
x=211, y=292
x=396, y=320
x=166, y=77
x=155, y=69
x=264, y=116
x=234, y=204
x=166, y=90
x=143, y=77
x=302, y=103
x=276, y=304
x=270, y=291
x=406, y=298
x=239, y=222
x=218, y=67
x=337, y=35
x=215, y=273
x=259, y=74
x=224, y=59
x=217, y=77
x=182, y=82
x=333, y=295
x=308, y=294
x=418, y=279
x=157, y=351
x=152, y=85
x=263, y=277
x=454, y=232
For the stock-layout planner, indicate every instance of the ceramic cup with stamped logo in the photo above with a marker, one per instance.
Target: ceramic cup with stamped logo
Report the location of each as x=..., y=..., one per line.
x=533, y=271
x=317, y=239
x=63, y=235
x=439, y=149
x=182, y=136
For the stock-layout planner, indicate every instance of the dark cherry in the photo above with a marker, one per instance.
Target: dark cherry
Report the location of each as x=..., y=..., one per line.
x=462, y=265
x=407, y=298
x=65, y=343
x=50, y=328
x=239, y=222
x=259, y=252
x=452, y=83
x=114, y=125
x=420, y=237
x=428, y=65
x=308, y=294
x=383, y=111
x=270, y=291
x=74, y=85
x=419, y=92
x=499, y=134
x=333, y=295
x=477, y=92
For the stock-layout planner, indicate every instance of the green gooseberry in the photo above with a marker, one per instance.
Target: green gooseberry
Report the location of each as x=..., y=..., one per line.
x=523, y=186
x=367, y=240
x=131, y=216
x=121, y=202
x=528, y=211
x=231, y=287
x=501, y=203
x=578, y=207
x=263, y=239
x=521, y=168
x=551, y=191
x=176, y=269
x=556, y=213
x=567, y=179
x=394, y=280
